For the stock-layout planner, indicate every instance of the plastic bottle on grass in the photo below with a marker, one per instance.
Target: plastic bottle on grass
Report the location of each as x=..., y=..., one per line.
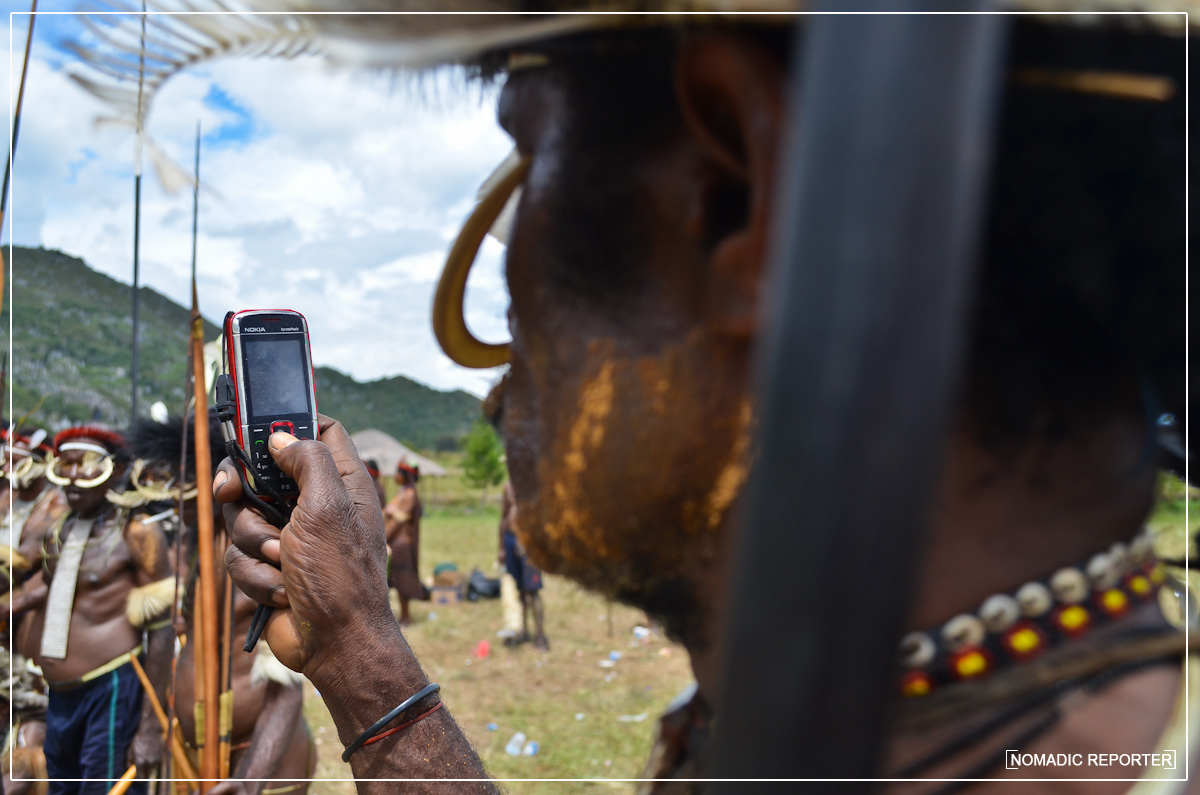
x=515, y=744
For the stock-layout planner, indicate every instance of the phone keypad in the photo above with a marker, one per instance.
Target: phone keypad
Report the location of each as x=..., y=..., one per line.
x=264, y=468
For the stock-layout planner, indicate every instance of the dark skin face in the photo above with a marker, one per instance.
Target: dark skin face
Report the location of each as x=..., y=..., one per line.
x=593, y=382
x=12, y=460
x=86, y=502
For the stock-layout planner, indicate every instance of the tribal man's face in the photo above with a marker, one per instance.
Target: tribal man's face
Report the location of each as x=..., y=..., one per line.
x=11, y=458
x=84, y=501
x=626, y=416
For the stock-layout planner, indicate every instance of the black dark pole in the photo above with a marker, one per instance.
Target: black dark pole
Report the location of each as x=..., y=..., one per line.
x=137, y=221
x=196, y=205
x=16, y=127
x=881, y=187
x=12, y=152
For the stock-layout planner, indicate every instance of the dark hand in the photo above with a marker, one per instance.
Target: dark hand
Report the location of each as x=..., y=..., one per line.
x=330, y=588
x=146, y=750
x=232, y=787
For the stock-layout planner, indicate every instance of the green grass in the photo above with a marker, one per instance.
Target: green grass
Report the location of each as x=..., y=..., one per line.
x=538, y=693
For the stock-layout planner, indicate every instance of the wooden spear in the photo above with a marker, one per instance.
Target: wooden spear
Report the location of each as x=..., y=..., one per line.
x=12, y=151
x=227, y=651
x=177, y=751
x=124, y=782
x=210, y=761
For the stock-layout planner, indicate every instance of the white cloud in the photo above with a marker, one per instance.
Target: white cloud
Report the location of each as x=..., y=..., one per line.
x=335, y=192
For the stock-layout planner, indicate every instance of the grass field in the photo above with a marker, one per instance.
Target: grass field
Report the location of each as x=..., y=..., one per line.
x=563, y=698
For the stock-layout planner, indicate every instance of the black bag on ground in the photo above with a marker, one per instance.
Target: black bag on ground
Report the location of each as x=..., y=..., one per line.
x=480, y=586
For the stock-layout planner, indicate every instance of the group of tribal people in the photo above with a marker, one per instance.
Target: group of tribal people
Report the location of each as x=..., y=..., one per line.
x=101, y=575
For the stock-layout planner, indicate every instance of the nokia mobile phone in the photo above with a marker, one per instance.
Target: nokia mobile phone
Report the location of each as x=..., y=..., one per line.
x=269, y=364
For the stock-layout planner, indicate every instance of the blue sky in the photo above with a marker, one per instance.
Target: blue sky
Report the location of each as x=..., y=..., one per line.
x=347, y=186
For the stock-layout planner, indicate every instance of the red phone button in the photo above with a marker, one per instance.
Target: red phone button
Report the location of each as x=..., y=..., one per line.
x=282, y=425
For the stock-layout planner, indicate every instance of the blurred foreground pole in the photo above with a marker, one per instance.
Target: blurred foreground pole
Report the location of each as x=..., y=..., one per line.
x=12, y=149
x=881, y=190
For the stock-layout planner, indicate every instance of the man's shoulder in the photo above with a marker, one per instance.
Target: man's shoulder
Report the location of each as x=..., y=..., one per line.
x=142, y=528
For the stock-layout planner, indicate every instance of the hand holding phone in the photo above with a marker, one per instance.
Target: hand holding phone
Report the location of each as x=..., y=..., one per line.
x=267, y=387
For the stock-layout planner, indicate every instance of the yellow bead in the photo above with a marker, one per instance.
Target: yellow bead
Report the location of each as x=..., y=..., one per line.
x=1073, y=617
x=1025, y=640
x=971, y=664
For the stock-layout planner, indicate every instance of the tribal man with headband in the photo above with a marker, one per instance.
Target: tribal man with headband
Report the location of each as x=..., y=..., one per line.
x=24, y=472
x=100, y=568
x=270, y=739
x=402, y=527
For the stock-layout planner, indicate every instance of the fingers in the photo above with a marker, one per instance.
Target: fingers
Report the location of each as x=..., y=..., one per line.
x=309, y=463
x=260, y=581
x=354, y=472
x=345, y=459
x=285, y=641
x=227, y=486
x=252, y=534
x=345, y=454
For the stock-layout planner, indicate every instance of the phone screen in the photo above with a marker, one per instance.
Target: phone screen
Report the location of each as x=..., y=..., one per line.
x=276, y=376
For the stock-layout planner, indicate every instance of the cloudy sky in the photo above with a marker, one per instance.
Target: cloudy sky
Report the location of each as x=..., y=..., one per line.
x=333, y=192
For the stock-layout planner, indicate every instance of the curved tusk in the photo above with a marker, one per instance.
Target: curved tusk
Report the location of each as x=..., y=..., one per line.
x=449, y=323
x=109, y=465
x=51, y=475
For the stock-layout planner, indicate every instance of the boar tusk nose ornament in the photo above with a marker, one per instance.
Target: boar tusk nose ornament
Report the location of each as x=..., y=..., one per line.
x=449, y=323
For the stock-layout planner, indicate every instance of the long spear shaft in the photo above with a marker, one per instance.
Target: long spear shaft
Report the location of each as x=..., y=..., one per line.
x=137, y=220
x=12, y=150
x=210, y=759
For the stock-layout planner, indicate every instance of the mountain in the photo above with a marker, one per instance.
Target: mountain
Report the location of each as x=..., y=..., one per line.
x=71, y=340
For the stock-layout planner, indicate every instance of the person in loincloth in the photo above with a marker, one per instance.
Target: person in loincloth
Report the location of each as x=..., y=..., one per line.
x=35, y=505
x=527, y=576
x=107, y=599
x=402, y=526
x=269, y=737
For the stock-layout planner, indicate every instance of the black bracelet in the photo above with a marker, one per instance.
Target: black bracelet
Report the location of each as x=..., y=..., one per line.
x=378, y=725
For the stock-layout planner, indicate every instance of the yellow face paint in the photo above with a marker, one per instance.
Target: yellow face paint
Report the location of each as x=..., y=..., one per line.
x=736, y=470
x=586, y=436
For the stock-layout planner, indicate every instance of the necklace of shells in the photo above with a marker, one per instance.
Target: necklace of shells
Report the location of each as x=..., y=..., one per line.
x=1015, y=628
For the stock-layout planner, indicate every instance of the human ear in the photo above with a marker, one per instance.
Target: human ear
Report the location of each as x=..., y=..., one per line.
x=730, y=93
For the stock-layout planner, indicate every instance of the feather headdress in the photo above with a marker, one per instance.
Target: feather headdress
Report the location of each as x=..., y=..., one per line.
x=161, y=443
x=128, y=67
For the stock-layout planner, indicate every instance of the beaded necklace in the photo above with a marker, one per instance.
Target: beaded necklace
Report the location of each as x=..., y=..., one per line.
x=1011, y=629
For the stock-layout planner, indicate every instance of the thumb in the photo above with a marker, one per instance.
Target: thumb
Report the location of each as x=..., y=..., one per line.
x=307, y=462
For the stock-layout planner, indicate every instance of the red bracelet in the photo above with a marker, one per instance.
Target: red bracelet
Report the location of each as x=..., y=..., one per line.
x=406, y=724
